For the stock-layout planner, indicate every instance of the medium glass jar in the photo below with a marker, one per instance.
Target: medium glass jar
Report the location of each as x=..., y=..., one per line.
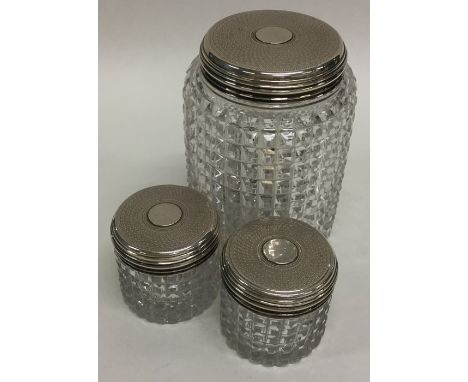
x=268, y=110
x=165, y=241
x=278, y=277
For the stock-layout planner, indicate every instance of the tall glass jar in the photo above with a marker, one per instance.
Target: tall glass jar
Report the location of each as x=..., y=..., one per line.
x=268, y=110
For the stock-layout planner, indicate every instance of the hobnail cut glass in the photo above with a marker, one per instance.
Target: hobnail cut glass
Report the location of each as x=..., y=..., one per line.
x=270, y=341
x=168, y=299
x=258, y=162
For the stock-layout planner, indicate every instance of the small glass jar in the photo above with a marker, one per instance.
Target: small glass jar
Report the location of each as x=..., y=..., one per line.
x=278, y=277
x=165, y=241
x=268, y=110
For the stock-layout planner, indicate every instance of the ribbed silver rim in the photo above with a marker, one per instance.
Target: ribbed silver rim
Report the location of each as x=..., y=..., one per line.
x=306, y=65
x=275, y=306
x=145, y=246
x=164, y=263
x=272, y=87
x=275, y=303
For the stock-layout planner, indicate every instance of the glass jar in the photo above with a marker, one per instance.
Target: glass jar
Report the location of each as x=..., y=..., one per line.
x=165, y=241
x=278, y=276
x=268, y=110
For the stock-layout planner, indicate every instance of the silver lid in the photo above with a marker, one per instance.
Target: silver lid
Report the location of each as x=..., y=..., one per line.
x=279, y=267
x=273, y=56
x=165, y=229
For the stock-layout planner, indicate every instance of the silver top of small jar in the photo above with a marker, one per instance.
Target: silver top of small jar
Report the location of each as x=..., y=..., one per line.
x=165, y=229
x=273, y=56
x=279, y=267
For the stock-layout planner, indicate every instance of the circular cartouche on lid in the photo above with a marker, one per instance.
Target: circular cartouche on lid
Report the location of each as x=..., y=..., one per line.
x=273, y=56
x=165, y=229
x=273, y=35
x=164, y=214
x=280, y=251
x=279, y=267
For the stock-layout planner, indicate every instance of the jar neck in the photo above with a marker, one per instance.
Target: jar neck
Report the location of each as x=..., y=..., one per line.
x=289, y=104
x=272, y=88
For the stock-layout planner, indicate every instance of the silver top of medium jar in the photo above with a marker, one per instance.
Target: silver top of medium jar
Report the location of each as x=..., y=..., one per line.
x=279, y=267
x=273, y=56
x=165, y=229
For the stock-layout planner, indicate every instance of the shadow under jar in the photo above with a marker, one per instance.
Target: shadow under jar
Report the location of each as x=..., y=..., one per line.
x=165, y=241
x=278, y=276
x=268, y=110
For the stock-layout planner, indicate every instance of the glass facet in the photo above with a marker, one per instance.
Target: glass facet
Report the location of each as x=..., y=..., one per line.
x=270, y=341
x=168, y=299
x=255, y=161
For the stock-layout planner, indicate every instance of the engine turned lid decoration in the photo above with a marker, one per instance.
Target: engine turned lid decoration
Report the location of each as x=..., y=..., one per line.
x=273, y=56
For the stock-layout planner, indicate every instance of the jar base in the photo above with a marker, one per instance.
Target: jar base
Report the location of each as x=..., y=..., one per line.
x=263, y=359
x=270, y=341
x=162, y=314
x=169, y=299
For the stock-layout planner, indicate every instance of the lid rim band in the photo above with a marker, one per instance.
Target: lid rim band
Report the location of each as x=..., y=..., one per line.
x=306, y=81
x=164, y=250
x=244, y=276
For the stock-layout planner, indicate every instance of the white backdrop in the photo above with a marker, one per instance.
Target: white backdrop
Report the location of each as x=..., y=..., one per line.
x=144, y=50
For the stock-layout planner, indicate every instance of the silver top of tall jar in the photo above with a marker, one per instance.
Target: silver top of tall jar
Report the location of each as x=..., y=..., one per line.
x=273, y=56
x=279, y=267
x=165, y=229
